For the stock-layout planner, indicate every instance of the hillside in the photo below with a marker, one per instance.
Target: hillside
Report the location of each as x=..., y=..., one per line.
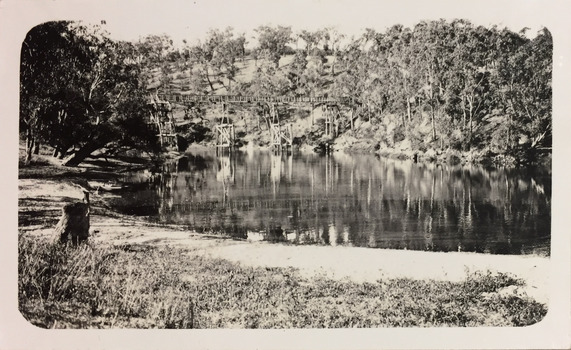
x=250, y=124
x=248, y=119
x=439, y=90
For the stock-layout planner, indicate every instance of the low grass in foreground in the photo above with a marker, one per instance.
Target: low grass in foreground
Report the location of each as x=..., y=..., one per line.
x=102, y=286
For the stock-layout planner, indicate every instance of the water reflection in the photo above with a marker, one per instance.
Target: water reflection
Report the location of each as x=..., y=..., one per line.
x=351, y=200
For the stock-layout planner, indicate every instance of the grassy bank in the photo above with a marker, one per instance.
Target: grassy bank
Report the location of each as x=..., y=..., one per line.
x=135, y=286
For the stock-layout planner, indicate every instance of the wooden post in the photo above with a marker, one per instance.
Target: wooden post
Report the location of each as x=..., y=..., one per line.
x=257, y=118
x=233, y=136
x=312, y=107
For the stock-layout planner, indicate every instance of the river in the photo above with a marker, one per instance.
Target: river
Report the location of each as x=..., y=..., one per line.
x=348, y=200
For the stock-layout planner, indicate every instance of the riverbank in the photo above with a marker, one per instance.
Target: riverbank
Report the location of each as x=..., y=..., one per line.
x=405, y=150
x=507, y=290
x=164, y=286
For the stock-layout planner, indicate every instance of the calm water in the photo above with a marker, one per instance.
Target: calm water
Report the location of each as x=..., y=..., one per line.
x=349, y=200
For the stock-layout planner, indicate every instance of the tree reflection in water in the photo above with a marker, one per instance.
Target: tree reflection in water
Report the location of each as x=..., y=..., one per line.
x=352, y=200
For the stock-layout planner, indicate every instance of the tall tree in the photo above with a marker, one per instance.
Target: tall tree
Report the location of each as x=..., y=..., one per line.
x=529, y=94
x=273, y=41
x=215, y=58
x=81, y=92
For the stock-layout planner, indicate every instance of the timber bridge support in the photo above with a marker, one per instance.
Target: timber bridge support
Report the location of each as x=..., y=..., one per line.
x=163, y=121
x=280, y=137
x=225, y=134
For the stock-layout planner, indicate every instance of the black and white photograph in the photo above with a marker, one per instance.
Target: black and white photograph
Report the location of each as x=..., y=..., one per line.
x=322, y=174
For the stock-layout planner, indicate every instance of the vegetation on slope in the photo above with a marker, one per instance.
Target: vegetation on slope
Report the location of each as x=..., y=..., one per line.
x=440, y=85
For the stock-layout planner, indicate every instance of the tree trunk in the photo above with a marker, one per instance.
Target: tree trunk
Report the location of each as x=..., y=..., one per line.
x=74, y=224
x=29, y=146
x=312, y=108
x=76, y=158
x=432, y=122
x=408, y=109
x=463, y=112
x=352, y=116
x=209, y=82
x=470, y=112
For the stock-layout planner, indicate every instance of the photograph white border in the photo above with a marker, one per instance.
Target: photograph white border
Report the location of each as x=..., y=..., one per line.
x=18, y=16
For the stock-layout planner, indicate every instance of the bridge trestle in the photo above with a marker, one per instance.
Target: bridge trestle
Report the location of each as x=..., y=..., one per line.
x=225, y=134
x=279, y=137
x=162, y=119
x=332, y=115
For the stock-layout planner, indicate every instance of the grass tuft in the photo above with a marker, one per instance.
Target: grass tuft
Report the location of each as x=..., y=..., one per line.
x=163, y=287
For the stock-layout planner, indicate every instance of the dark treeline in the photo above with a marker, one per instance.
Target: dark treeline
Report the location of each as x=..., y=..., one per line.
x=440, y=85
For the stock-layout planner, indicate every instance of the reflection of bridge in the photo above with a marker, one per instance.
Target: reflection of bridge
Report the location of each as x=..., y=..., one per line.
x=279, y=136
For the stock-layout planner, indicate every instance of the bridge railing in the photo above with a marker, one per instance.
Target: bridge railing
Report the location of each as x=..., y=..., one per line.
x=181, y=98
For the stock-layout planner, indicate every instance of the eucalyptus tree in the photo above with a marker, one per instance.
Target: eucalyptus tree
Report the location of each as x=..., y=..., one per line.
x=503, y=121
x=432, y=59
x=81, y=91
x=336, y=40
x=41, y=82
x=469, y=77
x=214, y=59
x=400, y=60
x=273, y=41
x=268, y=79
x=529, y=91
x=375, y=75
x=310, y=38
x=153, y=52
x=296, y=74
x=348, y=81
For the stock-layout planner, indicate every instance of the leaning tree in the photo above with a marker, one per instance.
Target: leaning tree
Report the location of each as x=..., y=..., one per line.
x=80, y=92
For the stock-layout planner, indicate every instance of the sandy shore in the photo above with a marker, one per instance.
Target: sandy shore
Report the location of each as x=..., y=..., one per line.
x=357, y=264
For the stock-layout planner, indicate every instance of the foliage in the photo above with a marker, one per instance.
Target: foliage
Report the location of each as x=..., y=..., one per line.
x=474, y=86
x=146, y=287
x=268, y=80
x=272, y=42
x=81, y=91
x=216, y=57
x=437, y=85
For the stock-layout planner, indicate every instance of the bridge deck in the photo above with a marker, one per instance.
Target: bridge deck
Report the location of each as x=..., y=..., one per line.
x=181, y=98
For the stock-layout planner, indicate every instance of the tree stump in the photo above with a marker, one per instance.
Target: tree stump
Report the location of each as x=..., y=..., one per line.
x=73, y=224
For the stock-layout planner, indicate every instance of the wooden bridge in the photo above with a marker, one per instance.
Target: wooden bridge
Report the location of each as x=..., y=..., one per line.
x=225, y=134
x=186, y=98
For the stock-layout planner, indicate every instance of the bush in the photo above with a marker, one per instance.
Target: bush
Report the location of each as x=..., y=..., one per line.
x=182, y=143
x=195, y=133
